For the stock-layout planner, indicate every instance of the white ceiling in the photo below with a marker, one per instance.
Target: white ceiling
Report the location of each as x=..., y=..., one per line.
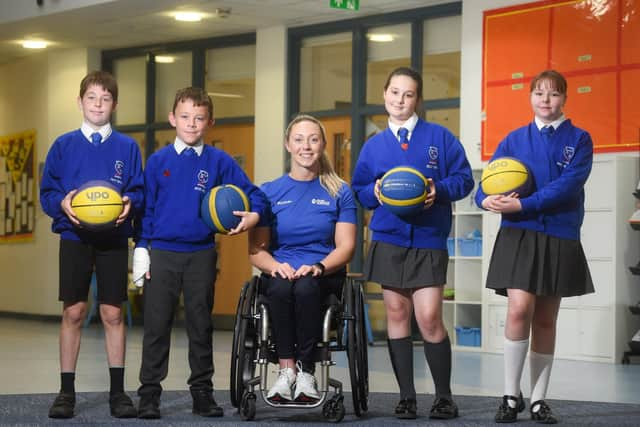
x=109, y=24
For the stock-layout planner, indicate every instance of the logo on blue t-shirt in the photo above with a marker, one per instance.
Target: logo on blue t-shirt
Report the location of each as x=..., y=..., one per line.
x=283, y=202
x=320, y=202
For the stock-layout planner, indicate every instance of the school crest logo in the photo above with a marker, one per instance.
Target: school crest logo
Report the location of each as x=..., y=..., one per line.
x=119, y=167
x=432, y=157
x=203, y=178
x=433, y=153
x=568, y=153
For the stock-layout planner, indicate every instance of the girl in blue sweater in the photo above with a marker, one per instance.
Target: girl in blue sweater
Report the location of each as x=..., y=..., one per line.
x=538, y=258
x=408, y=257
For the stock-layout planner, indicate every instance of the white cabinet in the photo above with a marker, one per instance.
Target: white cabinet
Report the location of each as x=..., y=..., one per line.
x=599, y=325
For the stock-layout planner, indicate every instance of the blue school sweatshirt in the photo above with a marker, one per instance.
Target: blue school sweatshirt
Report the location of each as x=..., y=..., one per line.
x=174, y=188
x=73, y=161
x=560, y=169
x=437, y=154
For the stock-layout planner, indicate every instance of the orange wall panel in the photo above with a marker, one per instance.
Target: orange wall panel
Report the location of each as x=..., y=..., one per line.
x=630, y=33
x=583, y=37
x=630, y=108
x=507, y=108
x=512, y=50
x=591, y=105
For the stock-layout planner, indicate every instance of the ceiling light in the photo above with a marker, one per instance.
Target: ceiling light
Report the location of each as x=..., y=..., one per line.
x=225, y=95
x=161, y=59
x=34, y=44
x=380, y=37
x=188, y=16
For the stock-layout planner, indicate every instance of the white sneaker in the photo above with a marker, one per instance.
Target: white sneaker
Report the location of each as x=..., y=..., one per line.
x=306, y=388
x=281, y=390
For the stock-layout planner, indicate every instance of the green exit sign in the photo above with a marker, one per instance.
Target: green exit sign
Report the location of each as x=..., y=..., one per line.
x=345, y=4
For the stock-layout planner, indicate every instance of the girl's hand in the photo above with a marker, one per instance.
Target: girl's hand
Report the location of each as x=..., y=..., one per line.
x=503, y=204
x=376, y=190
x=431, y=195
x=126, y=207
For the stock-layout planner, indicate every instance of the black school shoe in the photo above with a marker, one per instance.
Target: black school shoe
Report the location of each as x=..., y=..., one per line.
x=507, y=414
x=149, y=407
x=444, y=408
x=63, y=406
x=544, y=414
x=407, y=409
x=204, y=404
x=121, y=406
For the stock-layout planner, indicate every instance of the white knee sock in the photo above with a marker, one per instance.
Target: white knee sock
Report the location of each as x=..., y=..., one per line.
x=514, y=354
x=540, y=367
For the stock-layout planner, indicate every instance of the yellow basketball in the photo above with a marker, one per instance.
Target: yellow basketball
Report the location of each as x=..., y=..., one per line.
x=506, y=175
x=97, y=204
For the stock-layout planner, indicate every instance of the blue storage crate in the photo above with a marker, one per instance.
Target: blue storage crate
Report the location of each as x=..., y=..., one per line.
x=469, y=337
x=451, y=246
x=470, y=247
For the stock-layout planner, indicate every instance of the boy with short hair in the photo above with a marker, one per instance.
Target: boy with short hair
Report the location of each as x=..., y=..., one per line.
x=183, y=255
x=93, y=152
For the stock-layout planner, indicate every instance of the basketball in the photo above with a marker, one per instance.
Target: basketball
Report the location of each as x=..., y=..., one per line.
x=506, y=175
x=403, y=191
x=218, y=205
x=97, y=204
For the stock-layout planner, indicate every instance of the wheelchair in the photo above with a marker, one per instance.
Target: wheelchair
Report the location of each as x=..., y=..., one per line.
x=253, y=349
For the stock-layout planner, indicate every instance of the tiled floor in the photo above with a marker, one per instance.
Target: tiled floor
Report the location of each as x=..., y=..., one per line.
x=29, y=364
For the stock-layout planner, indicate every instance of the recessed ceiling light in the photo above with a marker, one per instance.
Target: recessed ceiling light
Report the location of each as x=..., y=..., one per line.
x=163, y=59
x=34, y=44
x=188, y=16
x=380, y=37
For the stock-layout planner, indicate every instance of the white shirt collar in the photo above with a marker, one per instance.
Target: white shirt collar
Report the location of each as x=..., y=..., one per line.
x=408, y=125
x=87, y=130
x=540, y=124
x=180, y=146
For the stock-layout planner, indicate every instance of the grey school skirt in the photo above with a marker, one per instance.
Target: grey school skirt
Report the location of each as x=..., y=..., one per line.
x=539, y=264
x=407, y=268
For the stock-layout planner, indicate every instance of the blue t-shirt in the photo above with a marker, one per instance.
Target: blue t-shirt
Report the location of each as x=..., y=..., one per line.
x=303, y=218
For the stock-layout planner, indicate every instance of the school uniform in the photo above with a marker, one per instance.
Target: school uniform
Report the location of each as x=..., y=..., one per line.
x=303, y=218
x=412, y=252
x=72, y=161
x=538, y=250
x=183, y=255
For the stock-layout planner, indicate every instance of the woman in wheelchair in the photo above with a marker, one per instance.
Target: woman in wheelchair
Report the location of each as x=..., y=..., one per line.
x=303, y=246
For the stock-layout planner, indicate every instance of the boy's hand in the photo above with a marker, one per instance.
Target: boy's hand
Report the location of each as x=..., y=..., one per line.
x=141, y=266
x=126, y=207
x=65, y=204
x=376, y=190
x=249, y=220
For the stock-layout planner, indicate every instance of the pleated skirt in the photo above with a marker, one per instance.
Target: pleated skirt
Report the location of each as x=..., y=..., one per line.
x=406, y=268
x=539, y=264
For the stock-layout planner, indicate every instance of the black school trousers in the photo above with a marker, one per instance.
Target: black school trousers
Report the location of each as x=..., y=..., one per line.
x=172, y=273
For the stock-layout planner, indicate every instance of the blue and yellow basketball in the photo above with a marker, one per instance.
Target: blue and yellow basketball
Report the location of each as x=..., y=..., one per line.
x=403, y=191
x=218, y=205
x=97, y=205
x=506, y=175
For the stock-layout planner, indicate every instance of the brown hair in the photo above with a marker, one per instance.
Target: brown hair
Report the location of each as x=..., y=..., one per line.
x=329, y=179
x=199, y=97
x=409, y=72
x=100, y=78
x=555, y=79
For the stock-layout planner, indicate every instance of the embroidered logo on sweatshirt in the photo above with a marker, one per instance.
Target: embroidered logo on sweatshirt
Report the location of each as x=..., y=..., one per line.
x=203, y=178
x=432, y=160
x=321, y=202
x=118, y=167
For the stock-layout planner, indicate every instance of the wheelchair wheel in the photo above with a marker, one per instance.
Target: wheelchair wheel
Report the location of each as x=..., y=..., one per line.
x=248, y=406
x=244, y=343
x=333, y=409
x=356, y=347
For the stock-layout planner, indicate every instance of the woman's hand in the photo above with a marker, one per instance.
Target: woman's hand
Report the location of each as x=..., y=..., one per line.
x=304, y=270
x=284, y=270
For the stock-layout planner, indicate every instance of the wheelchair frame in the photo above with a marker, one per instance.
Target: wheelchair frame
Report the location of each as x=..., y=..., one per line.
x=253, y=348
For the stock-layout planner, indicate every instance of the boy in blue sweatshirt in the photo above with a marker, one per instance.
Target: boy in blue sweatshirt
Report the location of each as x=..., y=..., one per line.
x=93, y=152
x=182, y=250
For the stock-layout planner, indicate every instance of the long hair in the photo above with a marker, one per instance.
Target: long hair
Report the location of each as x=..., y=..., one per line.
x=329, y=179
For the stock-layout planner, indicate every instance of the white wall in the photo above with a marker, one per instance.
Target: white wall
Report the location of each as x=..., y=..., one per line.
x=38, y=92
